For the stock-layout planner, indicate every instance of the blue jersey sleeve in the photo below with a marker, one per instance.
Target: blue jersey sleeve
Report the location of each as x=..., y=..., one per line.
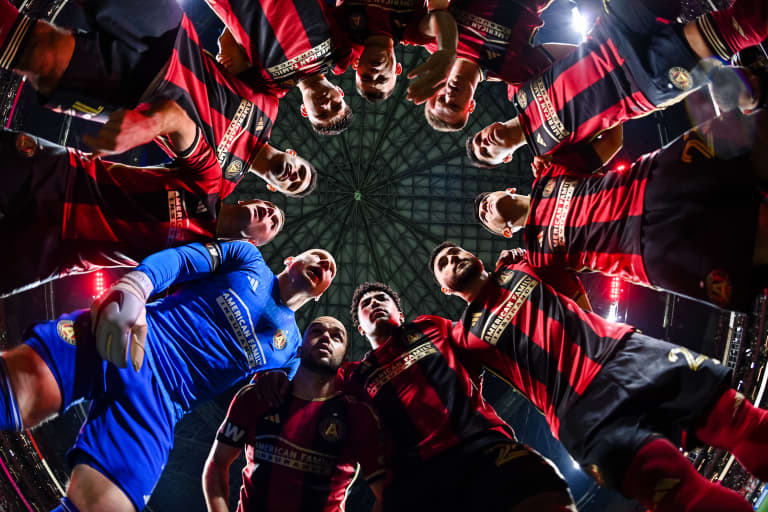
x=193, y=261
x=292, y=366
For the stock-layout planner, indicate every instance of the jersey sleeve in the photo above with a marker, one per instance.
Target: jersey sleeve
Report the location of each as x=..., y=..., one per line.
x=193, y=261
x=243, y=410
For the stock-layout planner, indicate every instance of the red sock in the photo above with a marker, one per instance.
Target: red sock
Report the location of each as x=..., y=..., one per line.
x=743, y=24
x=662, y=479
x=742, y=429
x=14, y=28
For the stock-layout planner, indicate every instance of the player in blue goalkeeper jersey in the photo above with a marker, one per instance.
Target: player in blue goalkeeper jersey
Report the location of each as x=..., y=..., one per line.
x=145, y=366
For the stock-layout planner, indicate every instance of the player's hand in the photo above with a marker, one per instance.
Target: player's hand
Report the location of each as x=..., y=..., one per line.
x=432, y=76
x=510, y=257
x=125, y=129
x=231, y=55
x=539, y=164
x=271, y=386
x=119, y=322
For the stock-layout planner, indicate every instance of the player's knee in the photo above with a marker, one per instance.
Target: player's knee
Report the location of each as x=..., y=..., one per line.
x=29, y=390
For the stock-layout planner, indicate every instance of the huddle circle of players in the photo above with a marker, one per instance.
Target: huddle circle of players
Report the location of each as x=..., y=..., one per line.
x=683, y=219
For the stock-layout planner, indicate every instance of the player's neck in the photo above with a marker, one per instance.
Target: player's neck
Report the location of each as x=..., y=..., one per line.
x=382, y=333
x=228, y=224
x=511, y=134
x=474, y=288
x=312, y=385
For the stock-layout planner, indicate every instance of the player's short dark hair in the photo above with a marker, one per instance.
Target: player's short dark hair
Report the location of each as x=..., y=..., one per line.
x=312, y=184
x=337, y=125
x=374, y=96
x=473, y=159
x=364, y=288
x=440, y=125
x=433, y=257
x=476, y=209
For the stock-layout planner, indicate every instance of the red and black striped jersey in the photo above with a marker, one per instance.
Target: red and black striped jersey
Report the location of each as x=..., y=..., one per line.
x=302, y=455
x=285, y=40
x=141, y=210
x=579, y=96
x=537, y=339
x=589, y=221
x=497, y=35
x=424, y=395
x=236, y=119
x=398, y=19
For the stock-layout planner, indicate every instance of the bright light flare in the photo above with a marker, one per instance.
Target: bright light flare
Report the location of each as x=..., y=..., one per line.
x=98, y=285
x=579, y=22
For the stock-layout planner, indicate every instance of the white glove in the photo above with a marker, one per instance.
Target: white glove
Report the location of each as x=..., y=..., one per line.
x=119, y=320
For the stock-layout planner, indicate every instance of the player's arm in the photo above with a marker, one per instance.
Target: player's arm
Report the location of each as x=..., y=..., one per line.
x=230, y=440
x=441, y=25
x=127, y=129
x=216, y=476
x=193, y=261
x=231, y=55
x=372, y=444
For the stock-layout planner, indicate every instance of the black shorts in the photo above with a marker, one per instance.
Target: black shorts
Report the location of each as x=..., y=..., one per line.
x=700, y=218
x=650, y=388
x=656, y=53
x=114, y=64
x=490, y=473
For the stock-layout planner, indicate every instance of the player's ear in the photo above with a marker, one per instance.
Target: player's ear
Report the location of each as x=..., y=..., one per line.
x=287, y=261
x=472, y=105
x=271, y=187
x=508, y=158
x=355, y=63
x=303, y=110
x=507, y=232
x=398, y=69
x=360, y=330
x=445, y=290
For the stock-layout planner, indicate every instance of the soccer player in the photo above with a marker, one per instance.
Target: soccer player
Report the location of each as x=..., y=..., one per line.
x=653, y=223
x=494, y=43
x=146, y=51
x=632, y=64
x=302, y=455
x=144, y=367
x=77, y=213
x=286, y=44
x=450, y=449
x=375, y=27
x=620, y=402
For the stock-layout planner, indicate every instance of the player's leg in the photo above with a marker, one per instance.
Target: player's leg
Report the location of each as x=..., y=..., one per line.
x=741, y=428
x=664, y=480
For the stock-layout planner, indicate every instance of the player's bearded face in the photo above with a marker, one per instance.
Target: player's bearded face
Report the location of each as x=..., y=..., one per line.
x=324, y=102
x=375, y=309
x=324, y=345
x=451, y=103
x=292, y=174
x=456, y=268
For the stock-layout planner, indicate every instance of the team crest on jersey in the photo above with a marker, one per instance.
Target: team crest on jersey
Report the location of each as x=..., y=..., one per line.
x=332, y=428
x=719, y=287
x=279, y=340
x=26, y=145
x=233, y=170
x=548, y=189
x=412, y=337
x=356, y=21
x=594, y=471
x=522, y=100
x=681, y=78
x=504, y=277
x=66, y=331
